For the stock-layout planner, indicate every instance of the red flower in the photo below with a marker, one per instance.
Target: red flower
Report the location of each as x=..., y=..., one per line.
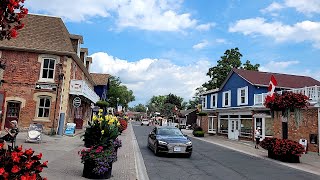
x=13, y=33
x=45, y=163
x=2, y=171
x=29, y=164
x=40, y=156
x=1, y=145
x=15, y=169
x=29, y=151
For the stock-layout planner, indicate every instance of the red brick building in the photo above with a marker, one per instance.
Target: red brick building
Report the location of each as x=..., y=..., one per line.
x=45, y=70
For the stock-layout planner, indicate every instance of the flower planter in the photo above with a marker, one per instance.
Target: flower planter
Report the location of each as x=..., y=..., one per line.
x=90, y=174
x=284, y=158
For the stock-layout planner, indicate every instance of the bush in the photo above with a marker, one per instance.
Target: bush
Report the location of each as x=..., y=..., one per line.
x=282, y=147
x=102, y=104
x=202, y=114
x=197, y=128
x=198, y=133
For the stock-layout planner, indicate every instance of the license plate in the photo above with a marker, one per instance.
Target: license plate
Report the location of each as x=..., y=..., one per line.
x=176, y=149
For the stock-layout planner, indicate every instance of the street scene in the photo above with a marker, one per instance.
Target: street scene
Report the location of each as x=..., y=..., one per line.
x=159, y=89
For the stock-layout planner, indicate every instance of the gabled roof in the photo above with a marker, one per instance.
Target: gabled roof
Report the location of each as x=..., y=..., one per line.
x=259, y=78
x=100, y=79
x=45, y=33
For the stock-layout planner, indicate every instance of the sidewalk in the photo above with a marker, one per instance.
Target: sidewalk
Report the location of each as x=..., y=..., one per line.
x=310, y=162
x=65, y=163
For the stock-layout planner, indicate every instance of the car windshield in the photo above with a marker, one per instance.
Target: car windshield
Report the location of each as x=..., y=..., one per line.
x=169, y=132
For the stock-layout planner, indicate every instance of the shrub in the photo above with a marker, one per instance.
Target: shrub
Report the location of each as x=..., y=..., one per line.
x=282, y=147
x=197, y=128
x=198, y=133
x=202, y=114
x=102, y=104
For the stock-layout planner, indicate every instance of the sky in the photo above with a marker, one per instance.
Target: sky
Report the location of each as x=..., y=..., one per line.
x=158, y=47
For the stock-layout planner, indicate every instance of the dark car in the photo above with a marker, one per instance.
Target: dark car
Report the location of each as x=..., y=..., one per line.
x=169, y=140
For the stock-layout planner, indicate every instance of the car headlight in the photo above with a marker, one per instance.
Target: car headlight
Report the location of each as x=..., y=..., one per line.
x=189, y=143
x=163, y=143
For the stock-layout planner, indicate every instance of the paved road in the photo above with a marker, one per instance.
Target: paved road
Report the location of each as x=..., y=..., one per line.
x=210, y=161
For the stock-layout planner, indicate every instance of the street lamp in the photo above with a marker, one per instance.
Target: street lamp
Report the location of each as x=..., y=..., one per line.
x=117, y=103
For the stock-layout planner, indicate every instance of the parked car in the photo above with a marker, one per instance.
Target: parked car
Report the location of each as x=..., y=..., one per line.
x=169, y=140
x=145, y=122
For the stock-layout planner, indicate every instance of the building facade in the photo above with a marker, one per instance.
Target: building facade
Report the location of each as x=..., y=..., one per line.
x=45, y=70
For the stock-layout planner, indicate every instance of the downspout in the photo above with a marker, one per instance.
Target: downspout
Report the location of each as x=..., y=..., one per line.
x=60, y=75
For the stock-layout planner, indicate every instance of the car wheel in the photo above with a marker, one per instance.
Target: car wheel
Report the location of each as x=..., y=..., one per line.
x=155, y=149
x=188, y=155
x=141, y=124
x=147, y=124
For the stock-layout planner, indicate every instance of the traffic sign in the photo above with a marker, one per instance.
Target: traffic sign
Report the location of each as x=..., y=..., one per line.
x=76, y=102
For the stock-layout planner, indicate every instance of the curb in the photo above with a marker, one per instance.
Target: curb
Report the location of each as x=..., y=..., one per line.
x=141, y=170
x=260, y=156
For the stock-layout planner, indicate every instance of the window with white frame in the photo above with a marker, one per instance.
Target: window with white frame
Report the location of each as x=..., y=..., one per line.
x=226, y=99
x=214, y=100
x=204, y=102
x=47, y=69
x=44, y=106
x=211, y=127
x=243, y=96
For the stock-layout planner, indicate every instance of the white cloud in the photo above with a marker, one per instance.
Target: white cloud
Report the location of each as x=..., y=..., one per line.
x=278, y=66
x=221, y=41
x=205, y=27
x=148, y=77
x=201, y=45
x=299, y=32
x=272, y=7
x=307, y=7
x=154, y=15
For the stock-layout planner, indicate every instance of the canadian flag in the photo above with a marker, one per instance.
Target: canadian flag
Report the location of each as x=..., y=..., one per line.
x=272, y=86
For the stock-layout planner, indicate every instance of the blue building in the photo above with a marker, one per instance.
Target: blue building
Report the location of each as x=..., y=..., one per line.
x=102, y=85
x=236, y=109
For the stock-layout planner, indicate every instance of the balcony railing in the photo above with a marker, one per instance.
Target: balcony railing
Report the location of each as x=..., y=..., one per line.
x=313, y=92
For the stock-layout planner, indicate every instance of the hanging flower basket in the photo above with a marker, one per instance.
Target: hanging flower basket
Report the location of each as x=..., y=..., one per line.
x=286, y=100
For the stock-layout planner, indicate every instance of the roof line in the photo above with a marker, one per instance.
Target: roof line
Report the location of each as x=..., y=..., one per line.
x=66, y=53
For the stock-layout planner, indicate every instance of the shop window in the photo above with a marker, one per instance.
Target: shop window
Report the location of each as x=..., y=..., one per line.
x=269, y=127
x=223, y=129
x=246, y=128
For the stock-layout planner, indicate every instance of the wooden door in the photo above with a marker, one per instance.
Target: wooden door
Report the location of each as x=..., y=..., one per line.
x=13, y=109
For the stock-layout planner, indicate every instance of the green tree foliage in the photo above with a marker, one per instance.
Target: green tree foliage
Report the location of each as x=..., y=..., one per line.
x=230, y=59
x=196, y=98
x=118, y=93
x=174, y=99
x=139, y=108
x=155, y=104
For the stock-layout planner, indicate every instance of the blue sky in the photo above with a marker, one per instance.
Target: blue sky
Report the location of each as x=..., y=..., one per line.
x=158, y=47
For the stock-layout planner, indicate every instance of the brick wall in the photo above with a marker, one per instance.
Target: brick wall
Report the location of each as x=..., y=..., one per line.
x=204, y=123
x=308, y=125
x=21, y=75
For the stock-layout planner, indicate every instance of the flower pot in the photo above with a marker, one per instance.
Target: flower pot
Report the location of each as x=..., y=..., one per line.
x=90, y=174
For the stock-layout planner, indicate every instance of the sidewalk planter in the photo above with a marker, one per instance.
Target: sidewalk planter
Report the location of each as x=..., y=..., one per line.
x=283, y=149
x=198, y=133
x=284, y=158
x=88, y=171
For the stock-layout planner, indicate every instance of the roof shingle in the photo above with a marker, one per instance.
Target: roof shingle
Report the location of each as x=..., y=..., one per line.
x=284, y=80
x=100, y=79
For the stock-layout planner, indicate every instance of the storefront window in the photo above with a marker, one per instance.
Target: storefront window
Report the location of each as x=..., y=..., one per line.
x=269, y=129
x=223, y=126
x=246, y=128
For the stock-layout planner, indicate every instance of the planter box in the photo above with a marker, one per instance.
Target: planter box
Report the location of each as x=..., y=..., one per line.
x=284, y=158
x=88, y=171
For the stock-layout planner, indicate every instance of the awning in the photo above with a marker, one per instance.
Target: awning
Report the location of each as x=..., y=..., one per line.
x=81, y=88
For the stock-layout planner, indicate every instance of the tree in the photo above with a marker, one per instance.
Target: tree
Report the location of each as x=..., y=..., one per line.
x=196, y=98
x=11, y=14
x=230, y=59
x=139, y=108
x=175, y=100
x=155, y=104
x=119, y=94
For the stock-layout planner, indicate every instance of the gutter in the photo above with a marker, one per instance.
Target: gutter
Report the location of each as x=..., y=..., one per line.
x=61, y=53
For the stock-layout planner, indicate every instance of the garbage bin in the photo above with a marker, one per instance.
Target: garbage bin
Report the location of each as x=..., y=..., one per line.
x=304, y=143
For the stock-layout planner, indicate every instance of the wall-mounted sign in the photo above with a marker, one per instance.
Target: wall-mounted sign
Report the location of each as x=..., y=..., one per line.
x=46, y=86
x=76, y=102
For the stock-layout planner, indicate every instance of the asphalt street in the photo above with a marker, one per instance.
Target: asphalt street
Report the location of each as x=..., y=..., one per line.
x=210, y=161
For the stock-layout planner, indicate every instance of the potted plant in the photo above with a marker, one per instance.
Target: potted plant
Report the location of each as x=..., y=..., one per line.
x=198, y=132
x=20, y=164
x=97, y=162
x=98, y=159
x=283, y=149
